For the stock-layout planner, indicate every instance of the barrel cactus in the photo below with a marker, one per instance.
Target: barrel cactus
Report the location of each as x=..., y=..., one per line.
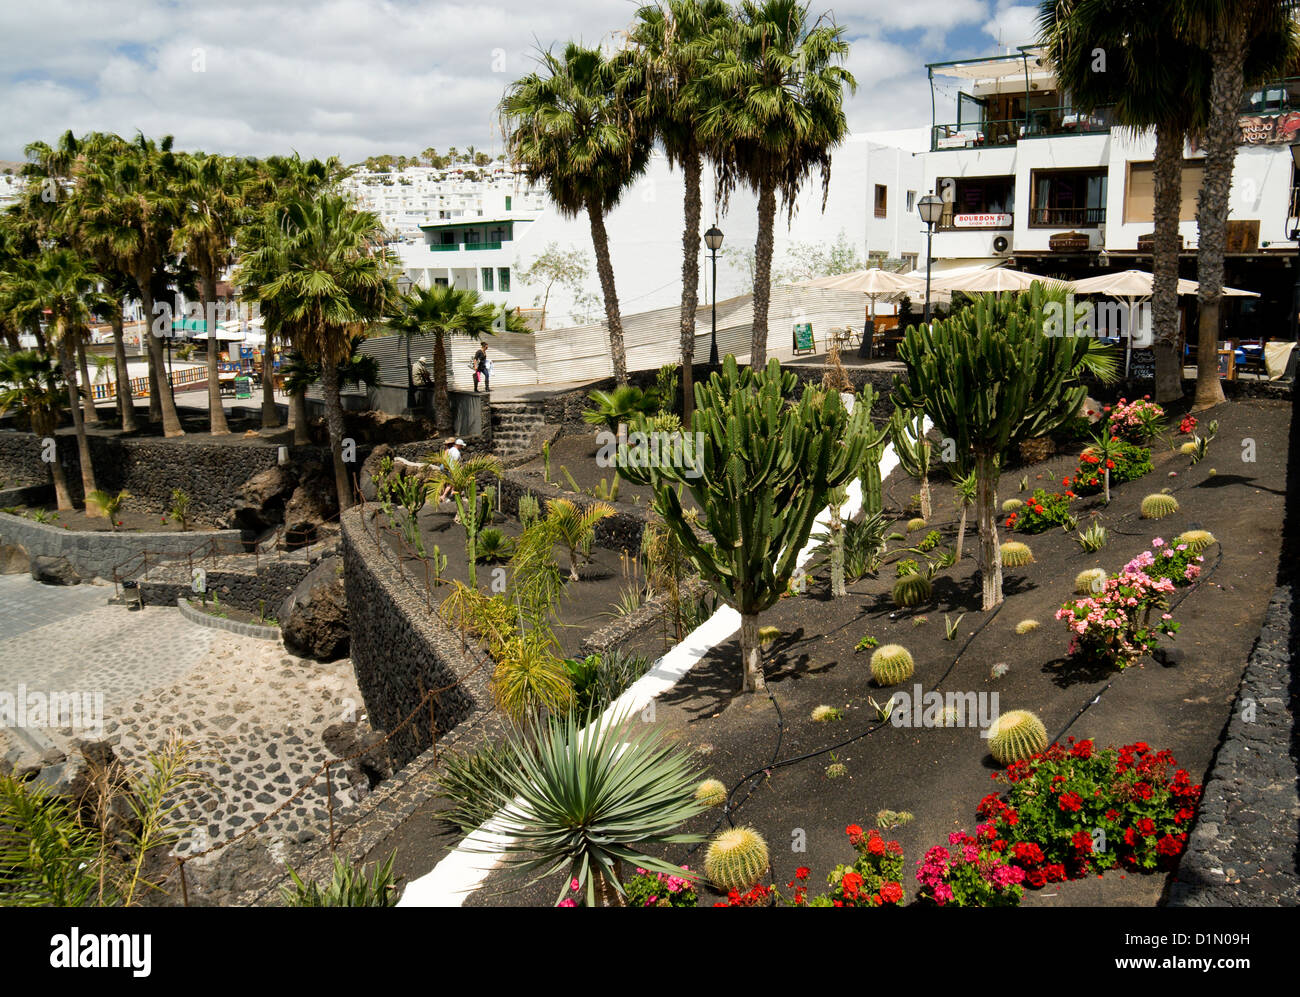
x=1158, y=506
x=1187, y=449
x=1197, y=541
x=1016, y=554
x=915, y=525
x=736, y=859
x=1090, y=581
x=1026, y=627
x=1016, y=735
x=912, y=590
x=1012, y=505
x=768, y=635
x=891, y=664
x=711, y=793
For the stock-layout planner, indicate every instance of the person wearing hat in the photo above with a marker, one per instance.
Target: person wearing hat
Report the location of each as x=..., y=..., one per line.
x=452, y=453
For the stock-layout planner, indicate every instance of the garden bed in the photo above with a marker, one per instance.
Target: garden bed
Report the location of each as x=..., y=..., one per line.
x=774, y=757
x=76, y=520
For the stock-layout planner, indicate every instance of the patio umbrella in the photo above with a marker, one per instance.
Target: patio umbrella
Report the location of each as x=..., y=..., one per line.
x=873, y=282
x=993, y=280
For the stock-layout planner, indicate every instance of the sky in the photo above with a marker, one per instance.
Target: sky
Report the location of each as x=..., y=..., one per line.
x=356, y=78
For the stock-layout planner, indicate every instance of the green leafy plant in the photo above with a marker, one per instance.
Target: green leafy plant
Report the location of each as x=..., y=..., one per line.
x=348, y=887
x=470, y=780
x=1201, y=444
x=110, y=505
x=492, y=546
x=950, y=626
x=1093, y=538
x=620, y=407
x=866, y=642
x=1040, y=513
x=574, y=528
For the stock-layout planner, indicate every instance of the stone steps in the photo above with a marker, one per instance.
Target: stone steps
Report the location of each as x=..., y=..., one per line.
x=515, y=426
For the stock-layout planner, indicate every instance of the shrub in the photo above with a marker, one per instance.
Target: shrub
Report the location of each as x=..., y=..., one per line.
x=1158, y=506
x=1178, y=563
x=1016, y=734
x=1127, y=462
x=1112, y=627
x=891, y=664
x=1077, y=811
x=736, y=859
x=873, y=880
x=1016, y=554
x=348, y=887
x=1041, y=513
x=1089, y=581
x=661, y=889
x=972, y=874
x=912, y=590
x=1136, y=421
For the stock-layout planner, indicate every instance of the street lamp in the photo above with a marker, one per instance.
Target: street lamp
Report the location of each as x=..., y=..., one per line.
x=404, y=285
x=930, y=208
x=713, y=239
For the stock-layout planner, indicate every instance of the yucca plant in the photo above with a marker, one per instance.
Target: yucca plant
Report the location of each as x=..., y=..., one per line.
x=348, y=887
x=108, y=504
x=588, y=799
x=574, y=528
x=462, y=777
x=48, y=857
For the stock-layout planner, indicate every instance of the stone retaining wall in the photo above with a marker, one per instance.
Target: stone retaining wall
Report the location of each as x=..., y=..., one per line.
x=99, y=554
x=621, y=531
x=260, y=587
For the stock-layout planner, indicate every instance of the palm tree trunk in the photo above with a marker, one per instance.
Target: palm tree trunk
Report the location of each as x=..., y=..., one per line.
x=334, y=421
x=163, y=396
x=762, y=273
x=125, y=404
x=270, y=414
x=693, y=169
x=298, y=415
x=1227, y=83
x=441, y=400
x=89, y=414
x=62, y=496
x=78, y=424
x=1168, y=172
x=961, y=532
x=605, y=268
x=751, y=654
x=217, y=424
x=986, y=473
x=11, y=337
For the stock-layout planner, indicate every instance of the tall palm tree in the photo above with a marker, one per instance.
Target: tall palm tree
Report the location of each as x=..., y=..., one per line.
x=572, y=127
x=1151, y=78
x=32, y=382
x=1237, y=34
x=59, y=283
x=675, y=41
x=442, y=311
x=327, y=279
x=130, y=210
x=778, y=113
x=209, y=189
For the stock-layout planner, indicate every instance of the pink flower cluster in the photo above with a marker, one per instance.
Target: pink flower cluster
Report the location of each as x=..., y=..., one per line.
x=673, y=884
x=967, y=863
x=1133, y=419
x=1113, y=622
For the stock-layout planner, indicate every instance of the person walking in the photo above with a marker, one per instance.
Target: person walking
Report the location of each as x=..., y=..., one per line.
x=482, y=365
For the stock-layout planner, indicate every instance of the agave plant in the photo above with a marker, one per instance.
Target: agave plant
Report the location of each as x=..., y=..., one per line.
x=589, y=801
x=348, y=887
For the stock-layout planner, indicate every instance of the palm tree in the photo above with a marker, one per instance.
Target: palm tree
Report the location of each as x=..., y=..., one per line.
x=571, y=126
x=326, y=279
x=59, y=282
x=300, y=374
x=32, y=382
x=574, y=528
x=1151, y=79
x=442, y=311
x=675, y=39
x=209, y=189
x=1235, y=33
x=130, y=209
x=778, y=113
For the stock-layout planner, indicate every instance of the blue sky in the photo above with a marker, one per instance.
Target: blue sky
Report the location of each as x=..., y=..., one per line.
x=361, y=77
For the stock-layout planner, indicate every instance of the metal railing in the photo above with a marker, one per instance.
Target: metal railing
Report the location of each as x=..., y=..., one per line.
x=1084, y=217
x=1009, y=131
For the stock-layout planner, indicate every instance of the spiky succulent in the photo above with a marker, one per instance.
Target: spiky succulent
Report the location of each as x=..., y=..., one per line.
x=836, y=770
x=913, y=525
x=1026, y=627
x=912, y=590
x=1187, y=448
x=999, y=669
x=711, y=793
x=1158, y=506
x=1015, y=735
x=1090, y=581
x=736, y=859
x=1197, y=540
x=825, y=714
x=766, y=635
x=891, y=664
x=1016, y=554
x=1012, y=505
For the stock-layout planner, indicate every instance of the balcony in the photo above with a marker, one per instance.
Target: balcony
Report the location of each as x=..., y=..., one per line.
x=452, y=247
x=1042, y=123
x=1072, y=217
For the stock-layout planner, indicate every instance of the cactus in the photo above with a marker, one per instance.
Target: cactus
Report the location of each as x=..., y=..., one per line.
x=736, y=859
x=530, y=510
x=1197, y=541
x=1016, y=735
x=891, y=664
x=1012, y=505
x=825, y=714
x=912, y=590
x=1158, y=506
x=998, y=670
x=873, y=503
x=1016, y=554
x=835, y=528
x=1187, y=449
x=711, y=793
x=1090, y=581
x=915, y=525
x=907, y=430
x=437, y=561
x=768, y=635
x=1026, y=627
x=546, y=461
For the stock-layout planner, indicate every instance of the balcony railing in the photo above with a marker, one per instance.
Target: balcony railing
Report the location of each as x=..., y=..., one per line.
x=983, y=134
x=452, y=247
x=1055, y=217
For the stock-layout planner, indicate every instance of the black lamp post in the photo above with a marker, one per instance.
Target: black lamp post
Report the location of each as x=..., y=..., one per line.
x=713, y=239
x=404, y=285
x=930, y=207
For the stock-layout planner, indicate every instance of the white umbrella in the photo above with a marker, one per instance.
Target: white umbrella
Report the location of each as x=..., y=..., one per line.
x=873, y=282
x=993, y=280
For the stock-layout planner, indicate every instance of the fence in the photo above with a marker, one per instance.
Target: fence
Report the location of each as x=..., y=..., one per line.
x=104, y=390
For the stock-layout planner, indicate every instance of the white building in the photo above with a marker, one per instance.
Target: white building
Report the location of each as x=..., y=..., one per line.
x=1030, y=181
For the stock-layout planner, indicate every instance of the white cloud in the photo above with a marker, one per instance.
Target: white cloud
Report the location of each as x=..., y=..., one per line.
x=1013, y=24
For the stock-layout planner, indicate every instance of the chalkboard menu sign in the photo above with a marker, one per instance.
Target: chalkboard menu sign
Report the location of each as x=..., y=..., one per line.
x=1142, y=365
x=803, y=338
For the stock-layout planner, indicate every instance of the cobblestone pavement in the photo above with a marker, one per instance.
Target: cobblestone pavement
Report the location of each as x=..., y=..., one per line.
x=253, y=712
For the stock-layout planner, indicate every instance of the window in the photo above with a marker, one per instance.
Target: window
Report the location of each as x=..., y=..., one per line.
x=877, y=258
x=882, y=200
x=440, y=281
x=507, y=202
x=503, y=279
x=1140, y=191
x=911, y=201
x=976, y=202
x=909, y=261
x=487, y=278
x=1073, y=198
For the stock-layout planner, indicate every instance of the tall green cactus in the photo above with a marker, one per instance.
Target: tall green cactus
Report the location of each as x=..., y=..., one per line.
x=475, y=514
x=767, y=466
x=873, y=502
x=907, y=431
x=988, y=377
x=836, y=497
